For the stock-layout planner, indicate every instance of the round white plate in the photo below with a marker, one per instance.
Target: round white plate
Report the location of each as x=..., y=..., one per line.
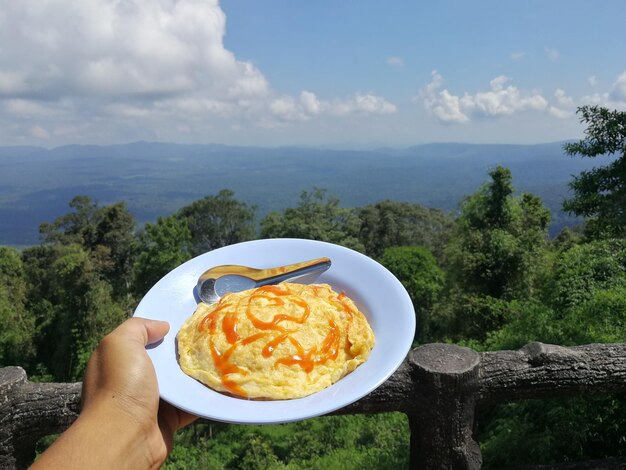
x=376, y=292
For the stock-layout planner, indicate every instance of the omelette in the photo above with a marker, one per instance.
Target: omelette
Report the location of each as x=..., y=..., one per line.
x=275, y=342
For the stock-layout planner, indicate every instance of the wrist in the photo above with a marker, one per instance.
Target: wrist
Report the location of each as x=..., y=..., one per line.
x=102, y=438
x=127, y=435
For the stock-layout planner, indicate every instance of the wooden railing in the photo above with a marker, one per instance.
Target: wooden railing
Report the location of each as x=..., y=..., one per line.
x=440, y=387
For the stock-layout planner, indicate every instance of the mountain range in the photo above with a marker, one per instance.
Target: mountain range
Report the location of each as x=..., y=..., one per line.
x=155, y=179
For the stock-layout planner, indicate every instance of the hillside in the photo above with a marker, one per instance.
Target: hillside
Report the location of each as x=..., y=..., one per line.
x=157, y=178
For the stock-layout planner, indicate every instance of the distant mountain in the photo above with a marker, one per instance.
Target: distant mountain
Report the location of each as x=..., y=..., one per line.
x=155, y=179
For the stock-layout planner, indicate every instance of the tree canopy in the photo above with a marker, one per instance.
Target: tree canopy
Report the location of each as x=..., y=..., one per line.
x=387, y=224
x=317, y=216
x=499, y=239
x=418, y=272
x=217, y=221
x=600, y=193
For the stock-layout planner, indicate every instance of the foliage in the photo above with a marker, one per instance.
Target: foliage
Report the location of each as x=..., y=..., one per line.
x=600, y=193
x=162, y=247
x=583, y=269
x=387, y=224
x=584, y=302
x=106, y=233
x=333, y=442
x=497, y=253
x=18, y=323
x=556, y=430
x=317, y=217
x=80, y=283
x=417, y=269
x=217, y=221
x=499, y=240
x=74, y=307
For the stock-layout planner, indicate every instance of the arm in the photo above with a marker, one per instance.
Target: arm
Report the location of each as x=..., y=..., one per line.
x=122, y=424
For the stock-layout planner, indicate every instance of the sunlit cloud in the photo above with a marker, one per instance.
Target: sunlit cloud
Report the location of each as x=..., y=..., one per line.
x=103, y=65
x=500, y=100
x=615, y=98
x=564, y=107
x=503, y=99
x=308, y=106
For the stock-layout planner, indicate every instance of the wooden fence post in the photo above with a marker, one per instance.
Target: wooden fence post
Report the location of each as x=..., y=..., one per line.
x=442, y=423
x=30, y=411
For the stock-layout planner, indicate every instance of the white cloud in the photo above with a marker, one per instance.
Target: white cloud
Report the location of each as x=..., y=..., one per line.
x=500, y=100
x=503, y=99
x=286, y=108
x=563, y=99
x=395, y=61
x=146, y=63
x=615, y=98
x=517, y=55
x=137, y=48
x=310, y=102
x=564, y=107
x=361, y=104
x=442, y=104
x=593, y=81
x=11, y=82
x=25, y=108
x=618, y=91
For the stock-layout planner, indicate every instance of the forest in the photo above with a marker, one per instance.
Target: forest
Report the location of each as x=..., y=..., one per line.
x=488, y=277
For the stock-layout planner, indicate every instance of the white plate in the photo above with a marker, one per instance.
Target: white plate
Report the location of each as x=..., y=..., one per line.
x=376, y=292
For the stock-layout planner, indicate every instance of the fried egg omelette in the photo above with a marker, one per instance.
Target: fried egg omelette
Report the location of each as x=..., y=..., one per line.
x=275, y=342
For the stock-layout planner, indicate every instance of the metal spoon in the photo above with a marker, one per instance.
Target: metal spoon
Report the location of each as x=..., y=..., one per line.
x=219, y=280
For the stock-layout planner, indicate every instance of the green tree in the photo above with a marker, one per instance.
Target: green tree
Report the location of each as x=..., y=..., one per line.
x=583, y=269
x=217, y=221
x=114, y=245
x=378, y=441
x=18, y=324
x=390, y=223
x=582, y=301
x=499, y=239
x=317, y=217
x=106, y=233
x=497, y=254
x=73, y=307
x=600, y=193
x=162, y=247
x=77, y=226
x=418, y=272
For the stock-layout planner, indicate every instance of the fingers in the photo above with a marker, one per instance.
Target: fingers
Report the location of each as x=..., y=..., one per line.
x=171, y=419
x=175, y=417
x=143, y=330
x=185, y=418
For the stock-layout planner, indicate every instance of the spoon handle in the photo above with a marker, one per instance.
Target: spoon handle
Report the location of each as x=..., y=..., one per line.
x=292, y=271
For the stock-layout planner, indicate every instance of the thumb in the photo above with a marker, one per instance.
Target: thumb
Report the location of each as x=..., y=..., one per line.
x=143, y=330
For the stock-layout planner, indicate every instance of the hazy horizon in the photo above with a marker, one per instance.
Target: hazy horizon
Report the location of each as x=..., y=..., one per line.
x=342, y=146
x=154, y=179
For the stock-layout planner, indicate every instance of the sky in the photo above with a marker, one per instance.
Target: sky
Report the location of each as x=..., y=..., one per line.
x=350, y=73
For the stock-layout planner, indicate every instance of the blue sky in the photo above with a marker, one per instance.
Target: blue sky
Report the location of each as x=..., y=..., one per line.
x=283, y=72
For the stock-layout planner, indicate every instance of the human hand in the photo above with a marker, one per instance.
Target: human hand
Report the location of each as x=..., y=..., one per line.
x=122, y=415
